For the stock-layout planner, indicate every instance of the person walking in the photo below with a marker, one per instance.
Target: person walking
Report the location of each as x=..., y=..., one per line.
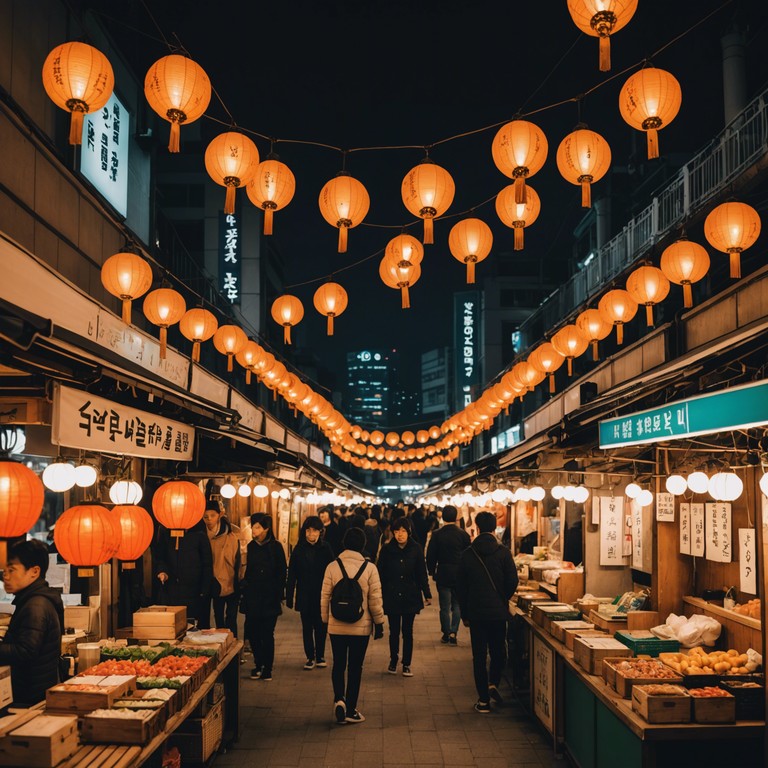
x=262, y=592
x=404, y=580
x=225, y=547
x=443, y=554
x=306, y=570
x=485, y=581
x=331, y=530
x=349, y=640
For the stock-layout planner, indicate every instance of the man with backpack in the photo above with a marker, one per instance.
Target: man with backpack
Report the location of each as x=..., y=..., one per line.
x=352, y=606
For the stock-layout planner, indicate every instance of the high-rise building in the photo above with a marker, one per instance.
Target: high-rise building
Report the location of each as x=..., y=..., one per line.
x=435, y=384
x=369, y=395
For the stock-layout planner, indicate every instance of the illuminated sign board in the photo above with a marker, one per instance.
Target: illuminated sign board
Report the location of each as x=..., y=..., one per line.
x=230, y=249
x=104, y=155
x=466, y=343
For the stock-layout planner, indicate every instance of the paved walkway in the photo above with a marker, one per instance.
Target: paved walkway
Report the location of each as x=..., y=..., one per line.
x=425, y=720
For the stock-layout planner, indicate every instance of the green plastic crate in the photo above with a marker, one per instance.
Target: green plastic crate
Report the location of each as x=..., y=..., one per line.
x=643, y=643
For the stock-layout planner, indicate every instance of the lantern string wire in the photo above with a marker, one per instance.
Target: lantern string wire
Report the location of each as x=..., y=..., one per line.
x=154, y=21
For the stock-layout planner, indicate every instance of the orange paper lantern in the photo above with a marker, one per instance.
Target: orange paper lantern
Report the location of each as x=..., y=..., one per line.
x=87, y=536
x=648, y=286
x=519, y=151
x=287, y=310
x=583, y=157
x=21, y=498
x=331, y=300
x=248, y=356
x=684, y=263
x=404, y=248
x=618, y=308
x=427, y=191
x=470, y=241
x=230, y=160
x=517, y=215
x=178, y=505
x=546, y=359
x=732, y=228
x=408, y=437
x=198, y=325
x=164, y=307
x=271, y=189
x=137, y=532
x=400, y=275
x=570, y=342
x=594, y=327
x=229, y=340
x=377, y=437
x=392, y=439
x=601, y=19
x=127, y=276
x=344, y=203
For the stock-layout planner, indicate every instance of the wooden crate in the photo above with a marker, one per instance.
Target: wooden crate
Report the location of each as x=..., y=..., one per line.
x=40, y=743
x=541, y=611
x=623, y=684
x=524, y=602
x=607, y=625
x=172, y=619
x=662, y=708
x=589, y=652
x=570, y=635
x=67, y=699
x=553, y=619
x=559, y=628
x=197, y=740
x=720, y=709
x=120, y=730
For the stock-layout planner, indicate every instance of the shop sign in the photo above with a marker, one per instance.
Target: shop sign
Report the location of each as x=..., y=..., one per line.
x=466, y=344
x=230, y=248
x=685, y=528
x=718, y=528
x=736, y=408
x=665, y=508
x=543, y=683
x=91, y=423
x=747, y=561
x=697, y=529
x=612, y=530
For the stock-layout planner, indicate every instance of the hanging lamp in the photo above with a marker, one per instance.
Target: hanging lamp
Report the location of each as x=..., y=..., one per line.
x=519, y=150
x=583, y=158
x=618, y=308
x=601, y=19
x=546, y=359
x=127, y=276
x=87, y=536
x=648, y=286
x=684, y=263
x=287, y=310
x=137, y=531
x=427, y=192
x=516, y=215
x=198, y=325
x=570, y=342
x=164, y=307
x=594, y=327
x=229, y=340
x=272, y=188
x=344, y=203
x=231, y=159
x=400, y=275
x=470, y=241
x=178, y=505
x=731, y=228
x=331, y=300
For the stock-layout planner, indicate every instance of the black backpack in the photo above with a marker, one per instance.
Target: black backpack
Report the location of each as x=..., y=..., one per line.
x=347, y=596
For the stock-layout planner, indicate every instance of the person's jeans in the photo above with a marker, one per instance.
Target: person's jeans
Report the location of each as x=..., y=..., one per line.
x=450, y=613
x=225, y=612
x=261, y=636
x=488, y=638
x=348, y=656
x=313, y=633
x=397, y=623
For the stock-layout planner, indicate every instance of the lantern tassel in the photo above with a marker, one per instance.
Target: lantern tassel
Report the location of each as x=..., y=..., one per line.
x=329, y=325
x=429, y=231
x=247, y=375
x=735, y=264
x=76, y=127
x=163, y=341
x=653, y=143
x=174, y=143
x=342, y=239
x=268, y=217
x=229, y=200
x=619, y=333
x=127, y=311
x=586, y=194
x=470, y=272
x=286, y=334
x=649, y=315
x=406, y=298
x=605, y=53
x=570, y=366
x=551, y=383
x=521, y=192
x=196, y=352
x=518, y=240
x=687, y=295
x=595, y=355
x=229, y=363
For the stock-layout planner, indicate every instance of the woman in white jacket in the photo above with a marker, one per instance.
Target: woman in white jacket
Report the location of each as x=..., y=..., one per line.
x=349, y=640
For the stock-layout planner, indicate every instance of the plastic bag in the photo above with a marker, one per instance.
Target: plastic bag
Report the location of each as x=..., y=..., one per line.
x=689, y=632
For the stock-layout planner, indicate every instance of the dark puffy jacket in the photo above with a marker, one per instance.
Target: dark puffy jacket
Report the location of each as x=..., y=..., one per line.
x=479, y=599
x=332, y=534
x=306, y=571
x=403, y=577
x=32, y=645
x=372, y=539
x=444, y=552
x=264, y=583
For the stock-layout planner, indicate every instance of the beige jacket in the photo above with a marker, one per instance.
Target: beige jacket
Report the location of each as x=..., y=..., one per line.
x=225, y=548
x=372, y=601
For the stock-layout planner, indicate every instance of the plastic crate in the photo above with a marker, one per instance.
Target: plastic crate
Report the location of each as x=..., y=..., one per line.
x=750, y=702
x=644, y=643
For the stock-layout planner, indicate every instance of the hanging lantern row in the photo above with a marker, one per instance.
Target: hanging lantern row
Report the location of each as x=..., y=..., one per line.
x=722, y=486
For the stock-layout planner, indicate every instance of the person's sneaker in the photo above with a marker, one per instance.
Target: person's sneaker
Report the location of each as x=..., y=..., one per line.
x=355, y=717
x=407, y=671
x=266, y=675
x=392, y=668
x=321, y=663
x=340, y=710
x=483, y=706
x=452, y=639
x=493, y=691
x=255, y=673
x=444, y=639
x=309, y=664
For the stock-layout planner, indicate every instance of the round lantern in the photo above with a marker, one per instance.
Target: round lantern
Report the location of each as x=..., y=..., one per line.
x=400, y=275
x=732, y=228
x=260, y=491
x=601, y=18
x=126, y=492
x=229, y=340
x=570, y=342
x=137, y=532
x=164, y=307
x=178, y=505
x=392, y=439
x=59, y=476
x=230, y=160
x=434, y=432
x=644, y=498
x=178, y=90
x=698, y=482
x=87, y=536
x=78, y=78
x=583, y=157
x=632, y=491
x=331, y=300
x=271, y=189
x=344, y=203
x=244, y=490
x=248, y=356
x=228, y=491
x=408, y=437
x=649, y=101
x=764, y=484
x=519, y=150
x=618, y=307
x=127, y=276
x=422, y=436
x=594, y=327
x=725, y=486
x=427, y=191
x=676, y=485
x=685, y=263
x=648, y=286
x=377, y=437
x=404, y=247
x=546, y=359
x=85, y=476
x=581, y=494
x=287, y=311
x=517, y=215
x=528, y=376
x=557, y=492
x=21, y=498
x=470, y=241
x=198, y=325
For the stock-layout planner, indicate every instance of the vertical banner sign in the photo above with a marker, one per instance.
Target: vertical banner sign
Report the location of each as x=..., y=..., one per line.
x=611, y=530
x=637, y=535
x=543, y=683
x=747, y=561
x=104, y=155
x=467, y=345
x=665, y=508
x=230, y=249
x=718, y=531
x=697, y=530
x=595, y=510
x=685, y=528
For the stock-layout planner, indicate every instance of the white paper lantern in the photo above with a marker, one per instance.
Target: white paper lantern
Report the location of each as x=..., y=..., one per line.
x=698, y=482
x=467, y=489
x=632, y=491
x=764, y=484
x=228, y=491
x=244, y=490
x=537, y=493
x=284, y=493
x=499, y=495
x=523, y=494
x=676, y=485
x=581, y=494
x=260, y=491
x=557, y=492
x=644, y=498
x=125, y=492
x=275, y=494
x=725, y=486
x=85, y=475
x=569, y=492
x=59, y=476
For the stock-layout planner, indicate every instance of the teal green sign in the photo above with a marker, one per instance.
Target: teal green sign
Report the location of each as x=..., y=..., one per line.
x=735, y=408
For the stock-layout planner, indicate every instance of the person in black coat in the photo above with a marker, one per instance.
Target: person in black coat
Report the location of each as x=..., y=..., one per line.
x=486, y=579
x=306, y=571
x=32, y=644
x=443, y=554
x=404, y=580
x=184, y=571
x=331, y=531
x=262, y=593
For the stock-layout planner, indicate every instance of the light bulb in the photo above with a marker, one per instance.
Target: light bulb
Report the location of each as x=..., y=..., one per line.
x=644, y=498
x=125, y=492
x=632, y=491
x=59, y=476
x=557, y=492
x=467, y=489
x=228, y=491
x=244, y=490
x=676, y=485
x=698, y=482
x=260, y=491
x=537, y=493
x=85, y=475
x=581, y=494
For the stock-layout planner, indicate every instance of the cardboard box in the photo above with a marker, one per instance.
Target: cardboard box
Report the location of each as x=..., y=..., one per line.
x=589, y=652
x=662, y=708
x=169, y=617
x=82, y=617
x=42, y=742
x=6, y=694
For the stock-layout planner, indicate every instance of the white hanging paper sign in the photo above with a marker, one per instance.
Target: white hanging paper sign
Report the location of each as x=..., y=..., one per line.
x=626, y=546
x=726, y=537
x=685, y=528
x=595, y=510
x=747, y=561
x=637, y=535
x=718, y=531
x=611, y=530
x=665, y=507
x=697, y=530
x=543, y=683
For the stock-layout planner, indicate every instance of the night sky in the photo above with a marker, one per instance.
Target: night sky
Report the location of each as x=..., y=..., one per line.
x=406, y=75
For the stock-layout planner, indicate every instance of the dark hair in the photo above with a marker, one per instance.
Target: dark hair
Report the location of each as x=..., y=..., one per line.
x=265, y=521
x=354, y=539
x=450, y=513
x=314, y=522
x=30, y=553
x=403, y=522
x=397, y=513
x=485, y=522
